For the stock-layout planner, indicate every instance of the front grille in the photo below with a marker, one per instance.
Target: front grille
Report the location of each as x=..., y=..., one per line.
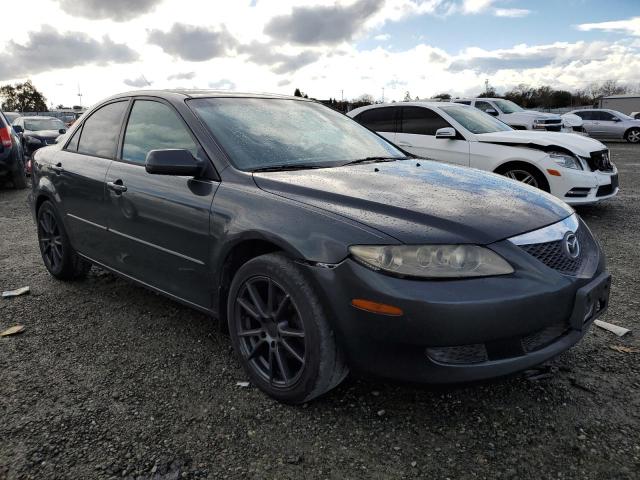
x=499, y=349
x=578, y=129
x=608, y=189
x=544, y=337
x=552, y=254
x=552, y=128
x=459, y=355
x=600, y=161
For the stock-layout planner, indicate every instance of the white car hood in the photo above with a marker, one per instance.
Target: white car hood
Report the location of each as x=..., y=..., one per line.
x=577, y=144
x=571, y=120
x=532, y=115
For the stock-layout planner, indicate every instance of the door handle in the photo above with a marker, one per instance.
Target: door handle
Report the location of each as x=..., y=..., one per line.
x=404, y=144
x=57, y=168
x=117, y=187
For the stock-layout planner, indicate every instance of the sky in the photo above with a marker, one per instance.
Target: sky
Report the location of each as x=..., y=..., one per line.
x=327, y=48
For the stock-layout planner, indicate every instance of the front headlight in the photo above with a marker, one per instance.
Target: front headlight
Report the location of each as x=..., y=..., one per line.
x=565, y=160
x=432, y=261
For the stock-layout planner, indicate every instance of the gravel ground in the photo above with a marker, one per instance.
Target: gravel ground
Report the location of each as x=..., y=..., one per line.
x=112, y=381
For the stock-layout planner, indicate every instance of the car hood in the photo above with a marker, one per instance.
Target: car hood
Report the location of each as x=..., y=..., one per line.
x=576, y=144
x=421, y=201
x=571, y=120
x=532, y=114
x=47, y=134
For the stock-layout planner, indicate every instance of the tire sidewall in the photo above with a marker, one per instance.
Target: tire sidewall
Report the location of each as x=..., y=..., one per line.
x=287, y=274
x=66, y=265
x=628, y=135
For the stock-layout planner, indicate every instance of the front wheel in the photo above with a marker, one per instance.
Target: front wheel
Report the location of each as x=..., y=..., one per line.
x=633, y=135
x=527, y=175
x=57, y=254
x=280, y=332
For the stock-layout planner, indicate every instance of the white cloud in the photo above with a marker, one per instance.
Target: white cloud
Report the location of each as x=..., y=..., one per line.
x=382, y=37
x=476, y=6
x=511, y=12
x=630, y=26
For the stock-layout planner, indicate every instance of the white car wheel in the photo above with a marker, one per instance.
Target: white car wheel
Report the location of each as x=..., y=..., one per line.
x=522, y=176
x=633, y=135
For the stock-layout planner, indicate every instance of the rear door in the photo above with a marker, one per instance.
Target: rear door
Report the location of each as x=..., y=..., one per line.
x=381, y=120
x=159, y=224
x=609, y=125
x=79, y=172
x=588, y=122
x=417, y=134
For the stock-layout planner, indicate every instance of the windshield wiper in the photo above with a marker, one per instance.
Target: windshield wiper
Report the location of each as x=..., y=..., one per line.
x=286, y=166
x=374, y=160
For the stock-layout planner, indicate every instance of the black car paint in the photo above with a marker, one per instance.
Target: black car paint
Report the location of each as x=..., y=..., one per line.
x=42, y=138
x=176, y=235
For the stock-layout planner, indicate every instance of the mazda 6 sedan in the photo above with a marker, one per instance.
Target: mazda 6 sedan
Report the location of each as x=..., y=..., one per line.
x=322, y=246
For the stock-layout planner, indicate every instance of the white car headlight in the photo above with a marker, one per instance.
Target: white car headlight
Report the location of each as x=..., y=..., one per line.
x=565, y=160
x=432, y=261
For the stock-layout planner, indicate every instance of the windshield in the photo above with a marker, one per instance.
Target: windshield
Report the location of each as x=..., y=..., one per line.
x=623, y=116
x=43, y=124
x=474, y=120
x=258, y=133
x=507, y=106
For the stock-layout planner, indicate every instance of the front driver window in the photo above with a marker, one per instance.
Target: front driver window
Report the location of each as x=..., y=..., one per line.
x=421, y=121
x=484, y=106
x=154, y=126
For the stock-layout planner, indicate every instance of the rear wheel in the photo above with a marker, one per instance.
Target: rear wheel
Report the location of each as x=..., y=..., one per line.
x=526, y=174
x=280, y=332
x=59, y=258
x=633, y=135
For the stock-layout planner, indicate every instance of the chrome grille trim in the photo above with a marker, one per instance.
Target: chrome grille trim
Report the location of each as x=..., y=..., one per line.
x=547, y=234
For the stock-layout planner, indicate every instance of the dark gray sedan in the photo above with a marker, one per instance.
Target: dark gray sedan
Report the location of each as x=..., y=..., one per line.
x=320, y=245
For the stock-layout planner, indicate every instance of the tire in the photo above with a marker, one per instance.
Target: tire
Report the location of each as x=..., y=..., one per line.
x=285, y=345
x=57, y=254
x=632, y=135
x=521, y=172
x=19, y=178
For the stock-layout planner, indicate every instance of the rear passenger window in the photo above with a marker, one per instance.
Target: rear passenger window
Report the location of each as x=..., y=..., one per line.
x=154, y=126
x=378, y=119
x=72, y=146
x=421, y=121
x=484, y=106
x=100, y=132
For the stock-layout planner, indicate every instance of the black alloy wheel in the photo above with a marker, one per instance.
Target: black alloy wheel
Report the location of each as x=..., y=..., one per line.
x=271, y=332
x=50, y=239
x=57, y=254
x=279, y=329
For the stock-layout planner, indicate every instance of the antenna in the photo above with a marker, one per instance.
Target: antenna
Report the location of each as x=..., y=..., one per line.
x=79, y=95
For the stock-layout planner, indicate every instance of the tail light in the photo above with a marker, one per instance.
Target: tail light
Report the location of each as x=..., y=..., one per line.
x=5, y=137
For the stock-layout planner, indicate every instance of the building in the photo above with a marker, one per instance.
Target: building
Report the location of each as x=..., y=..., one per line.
x=622, y=103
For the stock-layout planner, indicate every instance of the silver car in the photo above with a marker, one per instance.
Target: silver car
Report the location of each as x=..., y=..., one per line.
x=604, y=123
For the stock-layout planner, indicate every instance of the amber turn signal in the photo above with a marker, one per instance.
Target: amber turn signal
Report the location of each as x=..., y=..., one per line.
x=375, y=307
x=553, y=172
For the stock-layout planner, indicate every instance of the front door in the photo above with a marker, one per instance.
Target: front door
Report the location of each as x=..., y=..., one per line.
x=79, y=174
x=159, y=224
x=417, y=135
x=608, y=125
x=589, y=122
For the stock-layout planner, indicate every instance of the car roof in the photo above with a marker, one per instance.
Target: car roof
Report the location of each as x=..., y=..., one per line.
x=417, y=103
x=475, y=98
x=39, y=117
x=202, y=93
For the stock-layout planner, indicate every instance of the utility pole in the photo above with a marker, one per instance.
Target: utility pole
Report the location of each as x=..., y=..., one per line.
x=79, y=95
x=382, y=94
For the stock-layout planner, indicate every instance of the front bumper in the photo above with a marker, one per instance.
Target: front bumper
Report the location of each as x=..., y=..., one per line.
x=516, y=321
x=581, y=187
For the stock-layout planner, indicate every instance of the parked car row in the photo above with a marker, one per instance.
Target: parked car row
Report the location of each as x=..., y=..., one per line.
x=322, y=246
x=575, y=168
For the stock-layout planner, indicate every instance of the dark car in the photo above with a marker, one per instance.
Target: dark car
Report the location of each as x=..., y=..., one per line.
x=11, y=156
x=38, y=132
x=319, y=244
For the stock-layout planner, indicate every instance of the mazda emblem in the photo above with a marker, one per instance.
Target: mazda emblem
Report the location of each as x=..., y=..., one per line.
x=571, y=245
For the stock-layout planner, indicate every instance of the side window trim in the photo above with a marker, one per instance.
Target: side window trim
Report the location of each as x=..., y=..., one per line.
x=127, y=117
x=84, y=119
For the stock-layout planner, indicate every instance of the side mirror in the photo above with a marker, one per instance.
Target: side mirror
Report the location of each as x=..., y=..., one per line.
x=616, y=119
x=173, y=162
x=18, y=129
x=446, y=132
x=62, y=131
x=491, y=111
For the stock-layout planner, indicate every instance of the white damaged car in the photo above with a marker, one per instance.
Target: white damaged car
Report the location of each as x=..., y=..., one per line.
x=575, y=168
